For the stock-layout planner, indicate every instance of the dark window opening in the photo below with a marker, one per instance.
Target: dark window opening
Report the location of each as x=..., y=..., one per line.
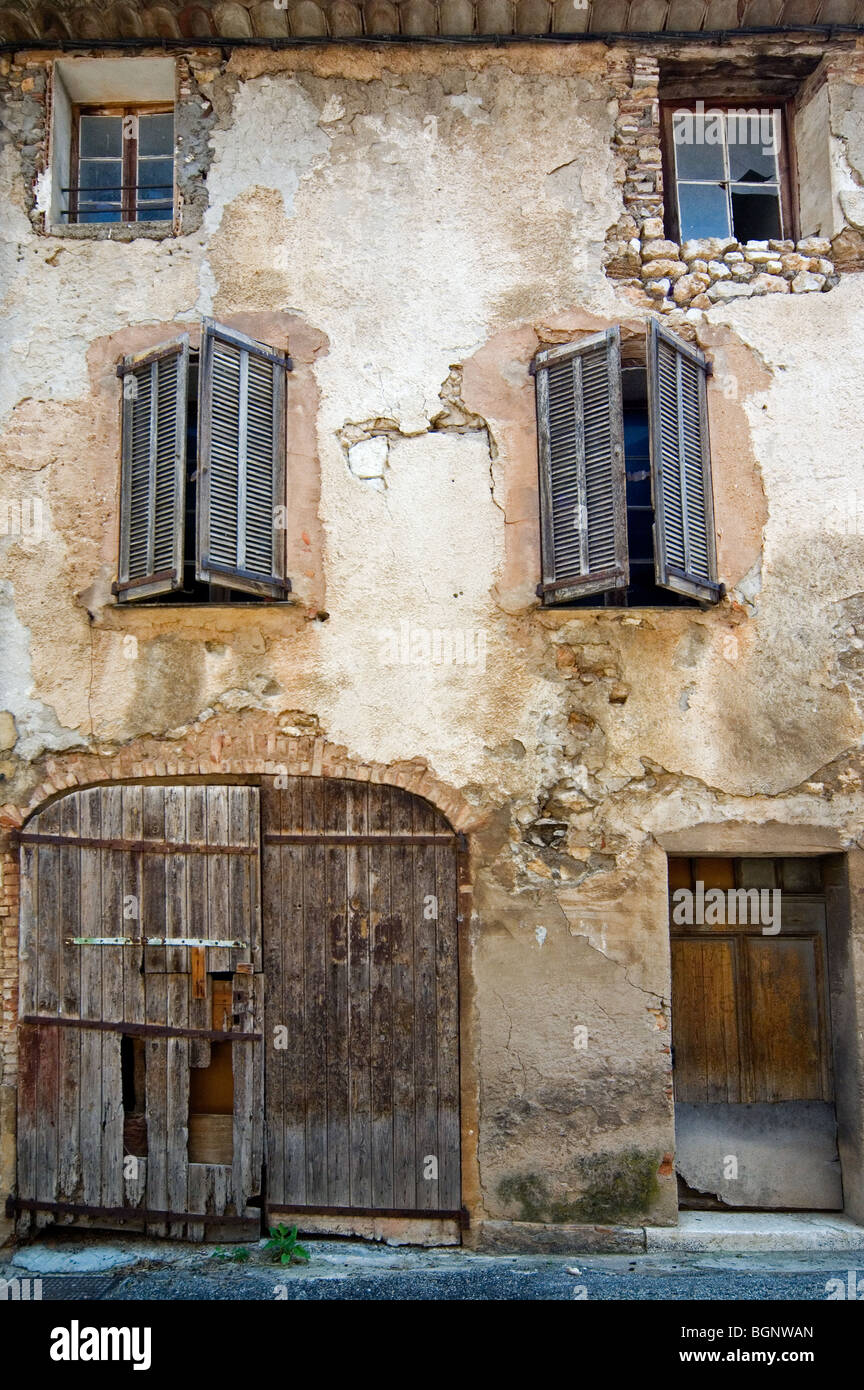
x=642, y=591
x=133, y=1074
x=122, y=166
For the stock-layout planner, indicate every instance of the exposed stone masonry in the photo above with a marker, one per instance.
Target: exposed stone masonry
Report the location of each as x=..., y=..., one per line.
x=701, y=273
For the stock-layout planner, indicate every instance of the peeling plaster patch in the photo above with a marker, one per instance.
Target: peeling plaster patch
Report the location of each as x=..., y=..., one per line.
x=37, y=724
x=368, y=460
x=470, y=106
x=275, y=118
x=594, y=932
x=43, y=191
x=540, y=933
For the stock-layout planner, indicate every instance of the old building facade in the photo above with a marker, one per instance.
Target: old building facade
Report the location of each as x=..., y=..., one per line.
x=326, y=479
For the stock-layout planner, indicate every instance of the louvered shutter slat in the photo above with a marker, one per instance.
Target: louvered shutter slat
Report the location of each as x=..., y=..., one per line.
x=153, y=475
x=242, y=449
x=582, y=480
x=684, y=543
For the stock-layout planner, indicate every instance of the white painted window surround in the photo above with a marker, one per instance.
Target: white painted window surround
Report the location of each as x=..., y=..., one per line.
x=96, y=81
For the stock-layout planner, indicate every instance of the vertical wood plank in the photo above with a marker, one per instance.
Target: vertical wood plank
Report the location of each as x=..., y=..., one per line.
x=402, y=962
x=176, y=919
x=359, y=1016
x=90, y=1095
x=157, y=1107
x=153, y=867
x=28, y=1051
x=47, y=1001
x=425, y=916
x=275, y=1055
x=177, y=1097
x=70, y=990
x=197, y=1198
x=243, y=919
x=447, y=1012
x=115, y=968
x=200, y=1008
x=315, y=1007
x=28, y=1120
x=112, y=1121
x=132, y=963
x=381, y=1001
x=257, y=1050
x=156, y=1007
x=292, y=995
x=336, y=956
x=218, y=886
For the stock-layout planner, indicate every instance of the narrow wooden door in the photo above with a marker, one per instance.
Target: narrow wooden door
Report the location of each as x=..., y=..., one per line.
x=754, y=1096
x=123, y=1046
x=362, y=1015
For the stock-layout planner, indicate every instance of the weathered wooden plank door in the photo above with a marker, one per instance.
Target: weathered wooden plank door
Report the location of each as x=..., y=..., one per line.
x=362, y=1015
x=141, y=1084
x=754, y=1097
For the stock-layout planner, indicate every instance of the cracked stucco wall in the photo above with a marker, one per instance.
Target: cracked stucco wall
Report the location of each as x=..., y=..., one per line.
x=412, y=225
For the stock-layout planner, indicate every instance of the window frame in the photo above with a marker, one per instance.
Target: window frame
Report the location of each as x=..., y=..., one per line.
x=158, y=586
x=129, y=161
x=609, y=585
x=785, y=158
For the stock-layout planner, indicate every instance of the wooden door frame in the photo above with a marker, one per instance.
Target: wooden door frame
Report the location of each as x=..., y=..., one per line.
x=843, y=863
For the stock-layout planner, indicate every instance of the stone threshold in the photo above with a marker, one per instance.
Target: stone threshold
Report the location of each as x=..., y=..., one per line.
x=696, y=1232
x=704, y=1231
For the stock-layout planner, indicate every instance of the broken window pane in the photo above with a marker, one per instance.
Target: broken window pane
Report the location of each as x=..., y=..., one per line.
x=755, y=212
x=752, y=155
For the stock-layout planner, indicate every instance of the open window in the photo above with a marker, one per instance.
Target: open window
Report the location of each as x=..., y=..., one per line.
x=203, y=471
x=626, y=503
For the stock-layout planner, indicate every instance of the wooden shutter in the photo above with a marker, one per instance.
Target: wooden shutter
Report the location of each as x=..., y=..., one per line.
x=583, y=509
x=684, y=548
x=241, y=463
x=153, y=476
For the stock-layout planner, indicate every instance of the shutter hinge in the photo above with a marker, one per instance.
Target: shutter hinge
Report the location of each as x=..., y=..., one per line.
x=532, y=368
x=709, y=368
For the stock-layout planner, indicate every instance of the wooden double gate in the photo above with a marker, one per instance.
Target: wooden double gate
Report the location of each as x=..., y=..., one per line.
x=237, y=1004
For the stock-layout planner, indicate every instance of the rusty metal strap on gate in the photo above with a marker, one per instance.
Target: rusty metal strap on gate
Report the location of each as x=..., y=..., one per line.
x=36, y=837
x=403, y=1212
x=140, y=1030
x=326, y=838
x=148, y=1214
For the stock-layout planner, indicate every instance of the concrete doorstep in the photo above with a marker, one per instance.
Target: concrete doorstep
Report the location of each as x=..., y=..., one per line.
x=706, y=1231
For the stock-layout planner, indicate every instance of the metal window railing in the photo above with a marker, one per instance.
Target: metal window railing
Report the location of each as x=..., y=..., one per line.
x=80, y=199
